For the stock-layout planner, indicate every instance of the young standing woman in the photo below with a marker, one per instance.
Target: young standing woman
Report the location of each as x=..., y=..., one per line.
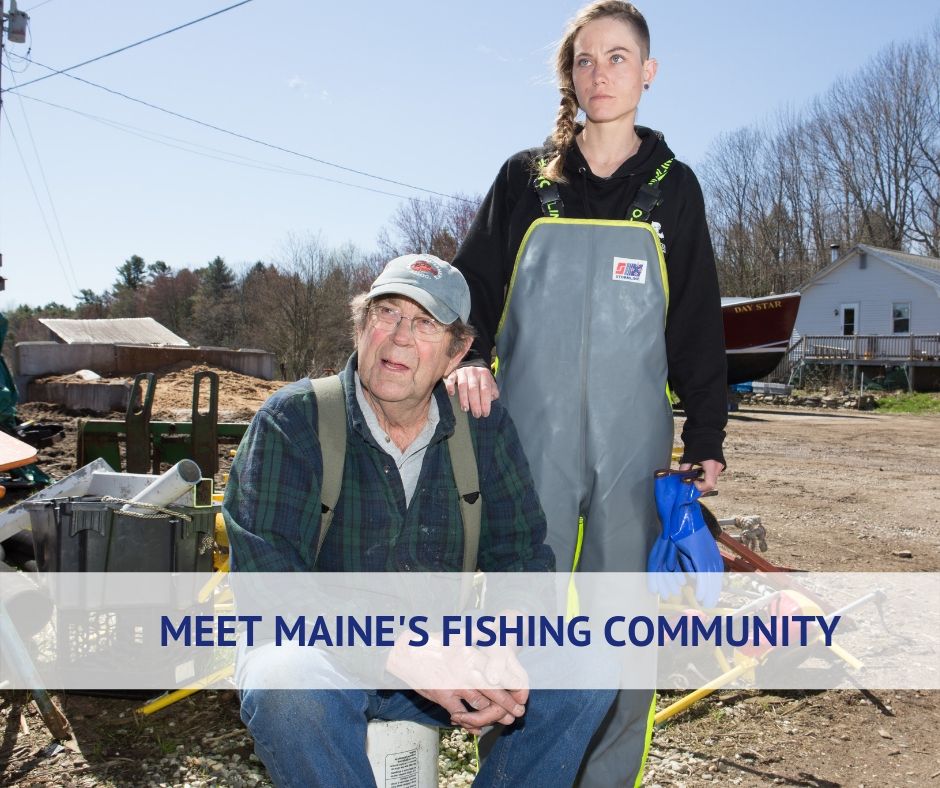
x=591, y=271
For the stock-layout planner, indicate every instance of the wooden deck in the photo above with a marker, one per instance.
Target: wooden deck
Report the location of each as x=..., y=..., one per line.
x=871, y=349
x=862, y=353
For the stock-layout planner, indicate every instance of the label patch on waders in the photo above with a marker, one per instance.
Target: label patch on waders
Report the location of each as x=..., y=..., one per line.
x=627, y=269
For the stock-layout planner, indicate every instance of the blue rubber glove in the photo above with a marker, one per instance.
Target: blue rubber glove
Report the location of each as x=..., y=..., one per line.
x=663, y=559
x=697, y=549
x=664, y=575
x=666, y=486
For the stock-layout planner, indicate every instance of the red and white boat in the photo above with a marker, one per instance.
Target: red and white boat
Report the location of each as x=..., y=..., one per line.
x=757, y=333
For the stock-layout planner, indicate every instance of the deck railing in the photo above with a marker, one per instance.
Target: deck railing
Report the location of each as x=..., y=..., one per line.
x=873, y=348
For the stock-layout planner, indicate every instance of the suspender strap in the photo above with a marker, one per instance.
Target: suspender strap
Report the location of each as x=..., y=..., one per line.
x=647, y=198
x=548, y=195
x=464, y=463
x=552, y=206
x=331, y=428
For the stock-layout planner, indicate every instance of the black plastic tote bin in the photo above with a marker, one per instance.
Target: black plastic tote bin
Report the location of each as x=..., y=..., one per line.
x=91, y=535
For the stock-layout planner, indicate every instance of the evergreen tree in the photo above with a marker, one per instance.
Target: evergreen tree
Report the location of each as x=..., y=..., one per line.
x=215, y=307
x=158, y=269
x=128, y=293
x=218, y=280
x=131, y=274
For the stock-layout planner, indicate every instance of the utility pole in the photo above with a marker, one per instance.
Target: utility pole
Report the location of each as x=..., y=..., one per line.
x=14, y=25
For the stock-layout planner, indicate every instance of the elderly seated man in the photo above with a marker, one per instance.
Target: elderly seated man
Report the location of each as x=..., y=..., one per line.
x=410, y=331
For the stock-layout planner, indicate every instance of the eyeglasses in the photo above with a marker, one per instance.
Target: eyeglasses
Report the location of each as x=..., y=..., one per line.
x=422, y=326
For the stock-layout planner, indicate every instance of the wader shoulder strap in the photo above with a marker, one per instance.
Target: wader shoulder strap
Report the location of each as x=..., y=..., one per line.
x=464, y=463
x=649, y=195
x=331, y=428
x=647, y=198
x=548, y=194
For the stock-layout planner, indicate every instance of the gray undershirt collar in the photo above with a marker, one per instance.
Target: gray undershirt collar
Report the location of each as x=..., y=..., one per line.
x=410, y=460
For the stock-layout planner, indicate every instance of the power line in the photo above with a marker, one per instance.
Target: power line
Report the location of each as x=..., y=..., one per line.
x=130, y=46
x=38, y=5
x=45, y=183
x=224, y=156
x=254, y=140
x=42, y=213
x=12, y=70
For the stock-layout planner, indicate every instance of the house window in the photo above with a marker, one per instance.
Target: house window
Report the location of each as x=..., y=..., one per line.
x=901, y=318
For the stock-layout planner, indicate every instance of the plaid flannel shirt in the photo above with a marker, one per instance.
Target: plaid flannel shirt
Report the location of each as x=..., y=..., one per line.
x=272, y=499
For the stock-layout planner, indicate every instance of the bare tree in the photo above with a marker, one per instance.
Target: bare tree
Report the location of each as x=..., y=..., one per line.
x=428, y=225
x=730, y=176
x=867, y=126
x=169, y=299
x=298, y=307
x=783, y=224
x=861, y=164
x=925, y=218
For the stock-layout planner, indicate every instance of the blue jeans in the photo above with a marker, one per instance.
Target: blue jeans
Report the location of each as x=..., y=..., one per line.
x=318, y=737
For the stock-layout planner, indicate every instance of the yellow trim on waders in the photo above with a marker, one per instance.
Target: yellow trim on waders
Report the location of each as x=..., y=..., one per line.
x=649, y=741
x=573, y=607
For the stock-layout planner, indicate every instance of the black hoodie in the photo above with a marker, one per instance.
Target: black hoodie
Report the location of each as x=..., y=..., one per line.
x=694, y=333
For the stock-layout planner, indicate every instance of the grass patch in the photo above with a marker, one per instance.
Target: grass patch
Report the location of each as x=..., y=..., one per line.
x=910, y=403
x=167, y=746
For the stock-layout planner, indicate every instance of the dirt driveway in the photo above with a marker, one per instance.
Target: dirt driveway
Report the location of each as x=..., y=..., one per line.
x=839, y=491
x=836, y=491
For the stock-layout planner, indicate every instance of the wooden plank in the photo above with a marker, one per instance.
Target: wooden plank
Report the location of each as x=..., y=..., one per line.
x=14, y=452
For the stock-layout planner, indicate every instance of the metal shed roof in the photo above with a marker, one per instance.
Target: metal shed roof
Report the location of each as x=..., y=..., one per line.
x=117, y=331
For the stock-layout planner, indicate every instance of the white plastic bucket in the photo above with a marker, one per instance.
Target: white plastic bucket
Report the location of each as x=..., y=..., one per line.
x=403, y=754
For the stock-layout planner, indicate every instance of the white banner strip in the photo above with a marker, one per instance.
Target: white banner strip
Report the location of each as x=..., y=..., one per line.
x=391, y=631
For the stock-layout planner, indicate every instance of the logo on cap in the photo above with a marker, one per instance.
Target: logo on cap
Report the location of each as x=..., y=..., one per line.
x=425, y=268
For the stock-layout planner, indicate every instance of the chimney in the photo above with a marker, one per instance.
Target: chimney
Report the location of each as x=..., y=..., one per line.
x=833, y=252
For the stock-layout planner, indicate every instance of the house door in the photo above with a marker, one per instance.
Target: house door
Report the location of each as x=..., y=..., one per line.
x=849, y=319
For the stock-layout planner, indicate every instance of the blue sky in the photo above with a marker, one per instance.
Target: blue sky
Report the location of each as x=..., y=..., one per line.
x=433, y=94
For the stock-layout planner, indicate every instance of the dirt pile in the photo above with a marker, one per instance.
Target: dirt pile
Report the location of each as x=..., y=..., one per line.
x=239, y=395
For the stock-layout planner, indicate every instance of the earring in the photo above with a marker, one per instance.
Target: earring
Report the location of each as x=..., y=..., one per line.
x=646, y=86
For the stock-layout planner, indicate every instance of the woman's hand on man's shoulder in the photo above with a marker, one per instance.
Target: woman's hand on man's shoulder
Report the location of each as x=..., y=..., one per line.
x=476, y=388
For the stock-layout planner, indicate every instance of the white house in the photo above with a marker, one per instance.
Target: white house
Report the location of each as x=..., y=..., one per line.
x=871, y=291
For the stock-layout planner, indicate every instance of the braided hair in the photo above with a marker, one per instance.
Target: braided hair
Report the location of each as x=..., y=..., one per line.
x=562, y=136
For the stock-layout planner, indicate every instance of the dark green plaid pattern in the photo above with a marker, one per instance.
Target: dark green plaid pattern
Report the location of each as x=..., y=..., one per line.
x=272, y=499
